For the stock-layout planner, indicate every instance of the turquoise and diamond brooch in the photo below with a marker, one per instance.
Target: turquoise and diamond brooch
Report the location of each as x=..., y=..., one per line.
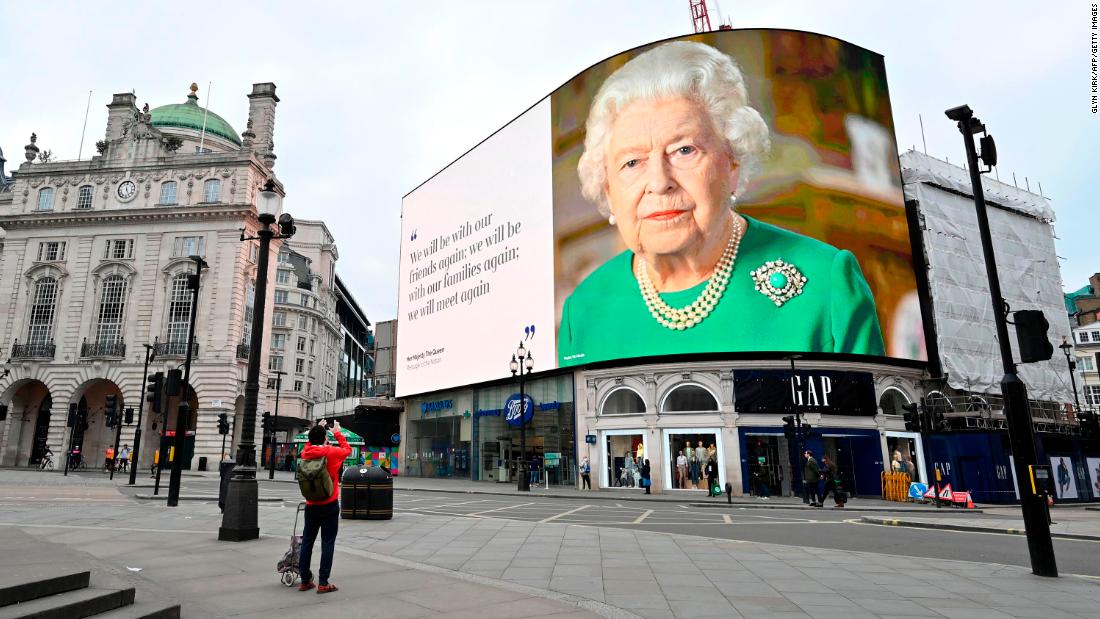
x=779, y=281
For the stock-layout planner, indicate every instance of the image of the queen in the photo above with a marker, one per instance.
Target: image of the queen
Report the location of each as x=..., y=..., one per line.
x=669, y=137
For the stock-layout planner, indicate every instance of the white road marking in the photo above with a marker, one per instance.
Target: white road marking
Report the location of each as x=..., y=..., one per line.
x=645, y=514
x=563, y=514
x=499, y=509
x=727, y=518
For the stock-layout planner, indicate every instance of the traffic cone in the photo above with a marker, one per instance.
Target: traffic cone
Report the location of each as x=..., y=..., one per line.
x=969, y=501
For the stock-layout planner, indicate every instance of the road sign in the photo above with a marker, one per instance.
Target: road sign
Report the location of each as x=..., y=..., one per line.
x=945, y=493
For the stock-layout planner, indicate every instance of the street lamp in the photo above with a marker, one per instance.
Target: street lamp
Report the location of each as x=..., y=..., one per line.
x=275, y=425
x=521, y=365
x=1066, y=347
x=239, y=520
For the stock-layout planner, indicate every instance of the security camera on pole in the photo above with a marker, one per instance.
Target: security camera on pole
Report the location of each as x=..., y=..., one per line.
x=240, y=518
x=1031, y=333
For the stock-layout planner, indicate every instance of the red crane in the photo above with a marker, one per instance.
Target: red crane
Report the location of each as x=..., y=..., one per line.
x=700, y=17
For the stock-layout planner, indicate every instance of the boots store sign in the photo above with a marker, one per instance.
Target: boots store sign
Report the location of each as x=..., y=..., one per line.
x=826, y=392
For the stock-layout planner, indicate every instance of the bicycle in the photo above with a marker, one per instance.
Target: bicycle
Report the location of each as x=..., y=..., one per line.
x=46, y=464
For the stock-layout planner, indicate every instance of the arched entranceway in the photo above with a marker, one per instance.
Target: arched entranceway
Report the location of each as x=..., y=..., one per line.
x=28, y=425
x=94, y=437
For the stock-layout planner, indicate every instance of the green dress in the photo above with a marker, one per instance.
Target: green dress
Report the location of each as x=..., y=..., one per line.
x=606, y=318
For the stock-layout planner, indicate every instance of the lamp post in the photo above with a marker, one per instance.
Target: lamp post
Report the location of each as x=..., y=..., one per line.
x=239, y=520
x=1066, y=347
x=183, y=412
x=521, y=365
x=800, y=439
x=275, y=425
x=150, y=354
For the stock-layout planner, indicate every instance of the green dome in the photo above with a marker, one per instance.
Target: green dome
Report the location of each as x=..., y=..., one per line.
x=190, y=116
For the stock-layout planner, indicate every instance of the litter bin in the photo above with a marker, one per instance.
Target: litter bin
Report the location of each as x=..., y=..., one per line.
x=225, y=470
x=366, y=493
x=202, y=463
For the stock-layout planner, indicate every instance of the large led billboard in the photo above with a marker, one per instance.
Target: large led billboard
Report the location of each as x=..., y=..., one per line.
x=732, y=192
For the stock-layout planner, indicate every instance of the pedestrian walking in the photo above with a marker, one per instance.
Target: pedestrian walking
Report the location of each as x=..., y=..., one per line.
x=321, y=514
x=109, y=459
x=124, y=458
x=646, y=482
x=811, y=474
x=586, y=474
x=830, y=480
x=713, y=489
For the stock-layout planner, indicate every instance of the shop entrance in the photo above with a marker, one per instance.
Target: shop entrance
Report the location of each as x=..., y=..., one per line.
x=768, y=461
x=697, y=446
x=623, y=458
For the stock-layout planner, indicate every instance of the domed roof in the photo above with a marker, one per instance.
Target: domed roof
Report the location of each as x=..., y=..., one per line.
x=190, y=115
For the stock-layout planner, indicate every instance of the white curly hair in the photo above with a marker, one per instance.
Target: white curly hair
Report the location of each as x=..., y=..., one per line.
x=679, y=69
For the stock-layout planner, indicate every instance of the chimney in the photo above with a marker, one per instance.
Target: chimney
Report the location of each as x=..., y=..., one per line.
x=1094, y=282
x=261, y=120
x=122, y=109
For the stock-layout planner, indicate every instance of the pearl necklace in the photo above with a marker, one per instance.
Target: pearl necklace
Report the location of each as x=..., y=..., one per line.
x=691, y=315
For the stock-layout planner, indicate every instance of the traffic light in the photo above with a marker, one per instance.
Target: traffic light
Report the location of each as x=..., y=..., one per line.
x=1031, y=335
x=173, y=383
x=110, y=410
x=73, y=417
x=82, y=420
x=267, y=422
x=806, y=430
x=155, y=392
x=223, y=423
x=912, y=417
x=788, y=427
x=129, y=416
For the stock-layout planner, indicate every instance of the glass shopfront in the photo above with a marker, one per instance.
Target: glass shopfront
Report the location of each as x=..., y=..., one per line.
x=697, y=446
x=550, y=449
x=439, y=436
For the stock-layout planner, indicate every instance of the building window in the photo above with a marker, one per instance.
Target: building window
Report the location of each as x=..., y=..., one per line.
x=1096, y=336
x=273, y=383
x=275, y=363
x=282, y=277
x=1092, y=395
x=119, y=249
x=278, y=341
x=179, y=310
x=112, y=306
x=311, y=368
x=304, y=299
x=311, y=343
x=168, y=192
x=302, y=322
x=281, y=296
x=301, y=344
x=45, y=199
x=279, y=319
x=309, y=388
x=284, y=257
x=1087, y=364
x=253, y=252
x=297, y=385
x=189, y=246
x=1082, y=337
x=249, y=311
x=51, y=251
x=84, y=197
x=211, y=190
x=689, y=398
x=623, y=401
x=299, y=365
x=42, y=311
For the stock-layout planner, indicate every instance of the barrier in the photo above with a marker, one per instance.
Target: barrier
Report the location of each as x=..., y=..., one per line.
x=895, y=486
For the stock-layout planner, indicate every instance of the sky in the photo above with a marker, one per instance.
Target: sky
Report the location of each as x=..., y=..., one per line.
x=377, y=96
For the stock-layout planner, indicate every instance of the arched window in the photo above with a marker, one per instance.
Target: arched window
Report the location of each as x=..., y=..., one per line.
x=179, y=311
x=891, y=402
x=84, y=197
x=211, y=190
x=168, y=192
x=45, y=199
x=689, y=399
x=43, y=308
x=112, y=307
x=623, y=401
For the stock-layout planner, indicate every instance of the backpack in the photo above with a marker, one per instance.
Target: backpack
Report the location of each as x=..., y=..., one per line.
x=313, y=479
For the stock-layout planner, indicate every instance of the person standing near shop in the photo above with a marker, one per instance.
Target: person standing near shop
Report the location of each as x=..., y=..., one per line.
x=646, y=481
x=811, y=474
x=830, y=473
x=321, y=514
x=586, y=474
x=712, y=478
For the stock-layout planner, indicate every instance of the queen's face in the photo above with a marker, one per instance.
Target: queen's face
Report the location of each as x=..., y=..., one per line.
x=670, y=176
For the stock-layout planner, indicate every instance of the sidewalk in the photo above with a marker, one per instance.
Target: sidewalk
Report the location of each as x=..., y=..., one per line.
x=1066, y=525
x=695, y=498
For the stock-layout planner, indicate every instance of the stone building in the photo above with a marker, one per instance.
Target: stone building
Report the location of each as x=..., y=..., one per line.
x=94, y=270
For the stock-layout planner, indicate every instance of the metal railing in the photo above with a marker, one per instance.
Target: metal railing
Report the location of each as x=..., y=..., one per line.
x=33, y=351
x=175, y=349
x=102, y=349
x=242, y=350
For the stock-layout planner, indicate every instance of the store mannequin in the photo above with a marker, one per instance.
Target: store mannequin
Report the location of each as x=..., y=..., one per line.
x=681, y=470
x=694, y=468
x=701, y=457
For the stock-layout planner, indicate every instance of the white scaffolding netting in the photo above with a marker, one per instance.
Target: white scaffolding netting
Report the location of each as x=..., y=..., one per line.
x=1021, y=224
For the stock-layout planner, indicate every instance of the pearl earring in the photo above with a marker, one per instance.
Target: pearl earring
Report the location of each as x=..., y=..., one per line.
x=733, y=201
x=611, y=219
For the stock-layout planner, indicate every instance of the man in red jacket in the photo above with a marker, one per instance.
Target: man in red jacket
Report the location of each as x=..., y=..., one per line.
x=322, y=515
